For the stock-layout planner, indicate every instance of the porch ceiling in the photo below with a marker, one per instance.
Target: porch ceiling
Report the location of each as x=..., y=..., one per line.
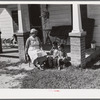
x=3, y=6
x=9, y=6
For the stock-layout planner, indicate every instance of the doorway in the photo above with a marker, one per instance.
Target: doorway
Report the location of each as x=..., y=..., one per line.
x=87, y=25
x=35, y=19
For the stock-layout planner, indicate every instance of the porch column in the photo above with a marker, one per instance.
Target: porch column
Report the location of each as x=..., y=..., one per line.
x=77, y=39
x=24, y=28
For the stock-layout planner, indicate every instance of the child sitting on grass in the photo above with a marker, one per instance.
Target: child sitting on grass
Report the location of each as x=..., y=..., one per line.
x=53, y=55
x=63, y=59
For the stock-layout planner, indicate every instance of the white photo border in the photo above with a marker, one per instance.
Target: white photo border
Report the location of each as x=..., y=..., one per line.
x=49, y=93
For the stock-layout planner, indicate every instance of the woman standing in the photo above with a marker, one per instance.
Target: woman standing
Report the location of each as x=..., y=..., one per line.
x=33, y=46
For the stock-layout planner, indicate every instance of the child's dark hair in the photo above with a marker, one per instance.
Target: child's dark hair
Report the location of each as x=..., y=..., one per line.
x=62, y=46
x=55, y=43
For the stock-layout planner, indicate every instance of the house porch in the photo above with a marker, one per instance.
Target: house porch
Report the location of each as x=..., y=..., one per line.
x=77, y=35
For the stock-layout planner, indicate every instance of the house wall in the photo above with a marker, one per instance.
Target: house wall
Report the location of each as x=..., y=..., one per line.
x=6, y=24
x=58, y=15
x=93, y=11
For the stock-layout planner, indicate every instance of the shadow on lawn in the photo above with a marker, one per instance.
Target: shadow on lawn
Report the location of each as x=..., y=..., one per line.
x=32, y=78
x=93, y=64
x=49, y=78
x=52, y=78
x=4, y=64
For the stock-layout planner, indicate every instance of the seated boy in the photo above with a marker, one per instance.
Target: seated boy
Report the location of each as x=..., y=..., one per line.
x=53, y=55
x=63, y=59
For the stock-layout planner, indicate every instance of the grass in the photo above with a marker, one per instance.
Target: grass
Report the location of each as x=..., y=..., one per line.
x=4, y=64
x=68, y=78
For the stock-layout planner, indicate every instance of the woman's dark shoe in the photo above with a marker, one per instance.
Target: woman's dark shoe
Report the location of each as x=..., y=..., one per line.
x=39, y=67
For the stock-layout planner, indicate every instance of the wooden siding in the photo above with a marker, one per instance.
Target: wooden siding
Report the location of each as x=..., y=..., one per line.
x=58, y=15
x=6, y=24
x=93, y=11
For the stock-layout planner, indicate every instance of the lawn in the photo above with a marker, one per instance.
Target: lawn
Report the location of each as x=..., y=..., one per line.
x=71, y=78
x=68, y=78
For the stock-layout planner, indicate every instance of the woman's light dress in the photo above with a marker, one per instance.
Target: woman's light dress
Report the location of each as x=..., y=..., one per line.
x=34, y=50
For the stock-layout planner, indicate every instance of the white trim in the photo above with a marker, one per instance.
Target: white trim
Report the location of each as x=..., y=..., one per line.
x=20, y=23
x=50, y=2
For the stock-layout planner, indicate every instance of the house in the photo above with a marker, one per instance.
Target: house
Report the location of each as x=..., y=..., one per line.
x=21, y=18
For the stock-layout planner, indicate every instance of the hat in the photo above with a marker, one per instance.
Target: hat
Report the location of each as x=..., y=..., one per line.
x=33, y=30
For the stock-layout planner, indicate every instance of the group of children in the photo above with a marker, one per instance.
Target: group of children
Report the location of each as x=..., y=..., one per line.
x=56, y=58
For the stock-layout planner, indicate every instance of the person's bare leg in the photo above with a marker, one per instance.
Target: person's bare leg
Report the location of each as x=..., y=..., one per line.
x=58, y=64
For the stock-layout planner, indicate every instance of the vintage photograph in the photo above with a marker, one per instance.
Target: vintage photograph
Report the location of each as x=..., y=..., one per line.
x=50, y=46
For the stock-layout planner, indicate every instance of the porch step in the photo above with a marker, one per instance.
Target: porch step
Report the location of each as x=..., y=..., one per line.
x=9, y=56
x=10, y=53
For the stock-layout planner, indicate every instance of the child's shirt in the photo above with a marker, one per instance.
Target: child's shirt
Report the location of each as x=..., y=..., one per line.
x=54, y=52
x=62, y=54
